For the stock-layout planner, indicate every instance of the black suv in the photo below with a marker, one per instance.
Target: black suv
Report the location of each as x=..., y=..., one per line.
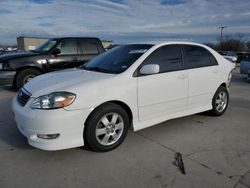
x=56, y=54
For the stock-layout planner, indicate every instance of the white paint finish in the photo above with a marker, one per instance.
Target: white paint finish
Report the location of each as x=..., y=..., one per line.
x=162, y=94
x=155, y=98
x=150, y=69
x=69, y=124
x=203, y=82
x=59, y=80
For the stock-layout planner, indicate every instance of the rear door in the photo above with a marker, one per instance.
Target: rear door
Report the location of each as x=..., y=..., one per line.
x=203, y=71
x=165, y=93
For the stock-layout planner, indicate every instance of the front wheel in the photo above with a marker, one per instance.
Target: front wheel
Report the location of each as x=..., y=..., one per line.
x=106, y=127
x=220, y=101
x=24, y=76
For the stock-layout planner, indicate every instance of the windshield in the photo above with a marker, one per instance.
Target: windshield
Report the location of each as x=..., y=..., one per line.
x=118, y=59
x=45, y=47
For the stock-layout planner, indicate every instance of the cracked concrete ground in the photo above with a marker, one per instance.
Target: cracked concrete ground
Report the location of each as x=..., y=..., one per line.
x=216, y=153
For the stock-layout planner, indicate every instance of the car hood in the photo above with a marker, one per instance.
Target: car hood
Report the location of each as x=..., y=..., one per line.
x=9, y=56
x=66, y=80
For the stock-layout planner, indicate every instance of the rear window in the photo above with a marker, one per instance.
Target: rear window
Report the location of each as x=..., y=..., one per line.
x=197, y=56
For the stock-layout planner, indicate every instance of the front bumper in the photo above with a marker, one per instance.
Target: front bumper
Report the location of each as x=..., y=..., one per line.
x=69, y=124
x=7, y=77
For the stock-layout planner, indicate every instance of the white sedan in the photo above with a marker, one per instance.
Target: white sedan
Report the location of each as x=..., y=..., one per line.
x=131, y=86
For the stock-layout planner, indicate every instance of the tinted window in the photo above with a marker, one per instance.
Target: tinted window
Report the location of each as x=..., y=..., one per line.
x=212, y=60
x=198, y=57
x=68, y=47
x=45, y=47
x=88, y=47
x=169, y=58
x=117, y=59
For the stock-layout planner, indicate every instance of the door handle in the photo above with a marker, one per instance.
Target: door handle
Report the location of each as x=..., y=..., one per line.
x=182, y=76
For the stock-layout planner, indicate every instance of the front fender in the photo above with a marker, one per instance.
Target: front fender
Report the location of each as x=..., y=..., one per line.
x=20, y=63
x=90, y=96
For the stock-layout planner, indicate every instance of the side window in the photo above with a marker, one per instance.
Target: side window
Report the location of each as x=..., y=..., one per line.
x=197, y=56
x=88, y=47
x=68, y=47
x=168, y=57
x=212, y=60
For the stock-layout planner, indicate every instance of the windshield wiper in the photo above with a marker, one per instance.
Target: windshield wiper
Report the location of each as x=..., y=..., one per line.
x=97, y=69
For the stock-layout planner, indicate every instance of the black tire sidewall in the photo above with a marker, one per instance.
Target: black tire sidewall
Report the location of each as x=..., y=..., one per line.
x=214, y=110
x=19, y=81
x=90, y=127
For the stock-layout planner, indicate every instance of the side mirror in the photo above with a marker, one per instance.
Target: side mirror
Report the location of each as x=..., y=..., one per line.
x=150, y=69
x=56, y=51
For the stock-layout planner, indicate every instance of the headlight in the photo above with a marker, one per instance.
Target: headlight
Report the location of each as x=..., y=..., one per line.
x=53, y=100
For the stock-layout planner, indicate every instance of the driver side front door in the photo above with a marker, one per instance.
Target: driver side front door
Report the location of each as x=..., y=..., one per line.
x=68, y=58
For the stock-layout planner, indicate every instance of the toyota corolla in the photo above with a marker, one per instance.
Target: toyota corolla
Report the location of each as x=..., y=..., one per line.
x=131, y=86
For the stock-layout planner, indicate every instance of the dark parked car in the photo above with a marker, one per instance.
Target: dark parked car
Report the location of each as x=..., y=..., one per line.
x=56, y=54
x=245, y=66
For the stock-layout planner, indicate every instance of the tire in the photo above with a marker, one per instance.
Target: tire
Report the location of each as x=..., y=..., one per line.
x=24, y=76
x=106, y=128
x=220, y=101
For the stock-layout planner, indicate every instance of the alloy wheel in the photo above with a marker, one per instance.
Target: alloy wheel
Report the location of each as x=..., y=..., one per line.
x=221, y=101
x=109, y=129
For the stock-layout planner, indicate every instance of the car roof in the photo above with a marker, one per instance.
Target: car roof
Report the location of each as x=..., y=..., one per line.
x=90, y=38
x=179, y=42
x=165, y=43
x=159, y=44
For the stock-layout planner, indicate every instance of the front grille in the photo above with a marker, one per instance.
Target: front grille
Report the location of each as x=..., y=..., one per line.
x=23, y=96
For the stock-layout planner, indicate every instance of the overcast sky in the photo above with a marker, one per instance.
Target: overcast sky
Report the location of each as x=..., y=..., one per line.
x=124, y=21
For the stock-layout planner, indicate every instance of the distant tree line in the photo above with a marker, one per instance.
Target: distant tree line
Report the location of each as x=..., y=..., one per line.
x=236, y=43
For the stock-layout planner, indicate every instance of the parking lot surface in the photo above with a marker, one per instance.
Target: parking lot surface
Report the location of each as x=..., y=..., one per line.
x=215, y=150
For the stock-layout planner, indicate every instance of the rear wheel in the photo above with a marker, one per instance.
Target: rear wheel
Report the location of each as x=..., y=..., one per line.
x=25, y=76
x=106, y=127
x=220, y=101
